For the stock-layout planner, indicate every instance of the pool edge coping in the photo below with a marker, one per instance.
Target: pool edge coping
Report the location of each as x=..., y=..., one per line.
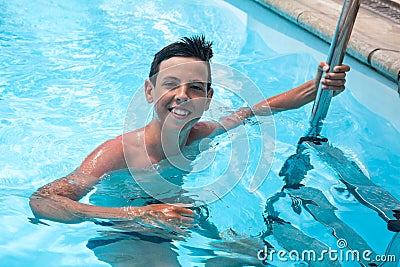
x=384, y=60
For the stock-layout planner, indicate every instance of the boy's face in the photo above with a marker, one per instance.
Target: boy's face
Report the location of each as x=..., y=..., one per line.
x=180, y=95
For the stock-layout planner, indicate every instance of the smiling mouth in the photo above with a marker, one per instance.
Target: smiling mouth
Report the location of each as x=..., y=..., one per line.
x=179, y=112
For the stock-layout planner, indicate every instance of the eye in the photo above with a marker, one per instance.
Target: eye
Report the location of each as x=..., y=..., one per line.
x=197, y=87
x=170, y=85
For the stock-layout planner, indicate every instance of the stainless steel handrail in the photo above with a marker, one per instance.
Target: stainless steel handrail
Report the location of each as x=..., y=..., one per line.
x=335, y=58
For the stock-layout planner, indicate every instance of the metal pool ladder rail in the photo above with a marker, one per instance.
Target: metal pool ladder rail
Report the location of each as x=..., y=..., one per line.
x=296, y=166
x=350, y=174
x=335, y=58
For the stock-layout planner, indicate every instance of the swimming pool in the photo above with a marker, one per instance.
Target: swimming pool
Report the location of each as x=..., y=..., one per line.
x=69, y=72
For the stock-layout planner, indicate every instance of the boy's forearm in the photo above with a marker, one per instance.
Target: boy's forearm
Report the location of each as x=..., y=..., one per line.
x=57, y=208
x=292, y=99
x=61, y=209
x=58, y=200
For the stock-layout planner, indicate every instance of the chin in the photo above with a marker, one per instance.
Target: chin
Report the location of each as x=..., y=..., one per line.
x=180, y=124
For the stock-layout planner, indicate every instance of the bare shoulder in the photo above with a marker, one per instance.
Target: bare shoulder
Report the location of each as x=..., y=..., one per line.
x=107, y=157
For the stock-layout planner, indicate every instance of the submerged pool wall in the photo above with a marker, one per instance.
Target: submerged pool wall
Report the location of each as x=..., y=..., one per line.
x=375, y=40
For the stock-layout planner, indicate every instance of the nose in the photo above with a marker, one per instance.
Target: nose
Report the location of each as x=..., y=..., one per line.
x=182, y=93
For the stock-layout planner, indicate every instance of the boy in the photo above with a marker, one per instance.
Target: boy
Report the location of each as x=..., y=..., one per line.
x=179, y=86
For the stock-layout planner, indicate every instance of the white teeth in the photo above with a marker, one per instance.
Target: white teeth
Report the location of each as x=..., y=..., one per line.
x=180, y=112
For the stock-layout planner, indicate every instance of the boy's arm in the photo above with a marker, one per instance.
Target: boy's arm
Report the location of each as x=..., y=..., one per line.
x=58, y=200
x=303, y=94
x=292, y=99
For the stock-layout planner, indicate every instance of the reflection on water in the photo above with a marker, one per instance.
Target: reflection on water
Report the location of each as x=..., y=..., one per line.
x=125, y=241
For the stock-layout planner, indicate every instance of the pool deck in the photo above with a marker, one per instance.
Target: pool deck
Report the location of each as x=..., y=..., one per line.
x=375, y=39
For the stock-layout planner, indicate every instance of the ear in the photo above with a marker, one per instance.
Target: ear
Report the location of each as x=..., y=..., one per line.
x=210, y=94
x=148, y=91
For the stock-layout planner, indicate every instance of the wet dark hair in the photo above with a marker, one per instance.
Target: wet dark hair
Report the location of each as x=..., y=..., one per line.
x=195, y=46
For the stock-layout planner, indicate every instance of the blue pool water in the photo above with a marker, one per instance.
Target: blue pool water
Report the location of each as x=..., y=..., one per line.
x=69, y=73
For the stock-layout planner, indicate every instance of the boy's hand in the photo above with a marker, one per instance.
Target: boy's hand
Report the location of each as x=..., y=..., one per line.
x=333, y=80
x=167, y=216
